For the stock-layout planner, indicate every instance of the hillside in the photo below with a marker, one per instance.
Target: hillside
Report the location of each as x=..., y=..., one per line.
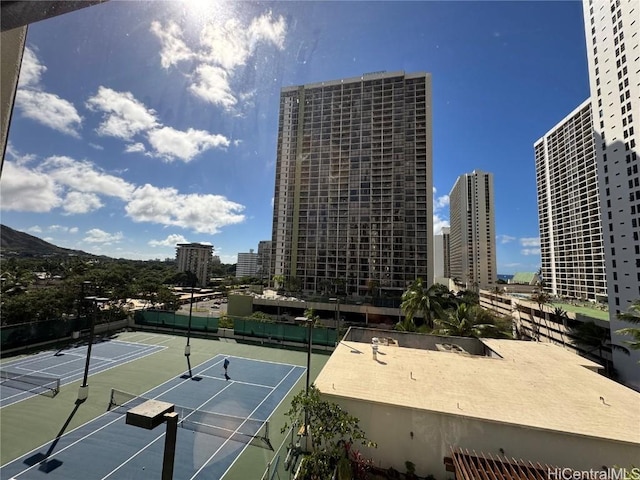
x=15, y=243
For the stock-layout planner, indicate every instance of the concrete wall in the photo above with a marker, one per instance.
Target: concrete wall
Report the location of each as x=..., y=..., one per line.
x=434, y=434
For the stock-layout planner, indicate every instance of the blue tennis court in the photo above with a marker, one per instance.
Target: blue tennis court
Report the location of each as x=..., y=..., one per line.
x=68, y=365
x=109, y=448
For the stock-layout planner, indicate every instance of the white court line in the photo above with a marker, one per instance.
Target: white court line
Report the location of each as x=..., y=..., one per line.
x=67, y=379
x=268, y=418
x=239, y=382
x=237, y=429
x=163, y=433
x=120, y=417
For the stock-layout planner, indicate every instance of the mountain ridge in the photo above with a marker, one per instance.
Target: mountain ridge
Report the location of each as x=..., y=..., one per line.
x=21, y=244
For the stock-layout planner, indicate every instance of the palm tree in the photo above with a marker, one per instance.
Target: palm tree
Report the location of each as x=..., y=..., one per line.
x=632, y=315
x=419, y=299
x=541, y=298
x=561, y=317
x=468, y=321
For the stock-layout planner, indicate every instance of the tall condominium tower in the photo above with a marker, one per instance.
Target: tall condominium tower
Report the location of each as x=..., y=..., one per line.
x=472, y=238
x=612, y=29
x=441, y=260
x=195, y=258
x=353, y=194
x=569, y=209
x=247, y=265
x=263, y=267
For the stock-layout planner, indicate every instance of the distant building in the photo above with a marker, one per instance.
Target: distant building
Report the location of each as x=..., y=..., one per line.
x=263, y=268
x=195, y=258
x=612, y=32
x=422, y=398
x=571, y=244
x=472, y=238
x=353, y=198
x=441, y=255
x=247, y=264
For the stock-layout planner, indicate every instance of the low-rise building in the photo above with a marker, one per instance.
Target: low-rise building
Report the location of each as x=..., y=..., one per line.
x=421, y=397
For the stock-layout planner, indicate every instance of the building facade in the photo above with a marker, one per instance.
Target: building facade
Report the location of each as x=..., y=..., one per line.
x=472, y=238
x=612, y=32
x=247, y=265
x=441, y=256
x=571, y=245
x=263, y=268
x=353, y=193
x=195, y=258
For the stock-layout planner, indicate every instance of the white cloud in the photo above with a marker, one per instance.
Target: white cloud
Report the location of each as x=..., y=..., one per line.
x=124, y=116
x=439, y=224
x=441, y=202
x=76, y=202
x=26, y=190
x=170, y=241
x=174, y=50
x=201, y=213
x=212, y=85
x=171, y=143
x=223, y=48
x=530, y=251
x=505, y=238
x=135, y=148
x=73, y=230
x=95, y=235
x=34, y=229
x=31, y=69
x=83, y=177
x=530, y=242
x=49, y=110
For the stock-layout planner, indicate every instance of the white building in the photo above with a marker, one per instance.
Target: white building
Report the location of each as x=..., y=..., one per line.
x=353, y=203
x=423, y=396
x=472, y=237
x=571, y=244
x=195, y=258
x=247, y=265
x=612, y=30
x=441, y=258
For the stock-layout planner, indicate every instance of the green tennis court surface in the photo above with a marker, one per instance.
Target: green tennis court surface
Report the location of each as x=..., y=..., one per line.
x=55, y=438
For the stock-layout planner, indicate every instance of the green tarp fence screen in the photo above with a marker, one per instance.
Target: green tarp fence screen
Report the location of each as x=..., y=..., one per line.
x=24, y=334
x=283, y=331
x=165, y=319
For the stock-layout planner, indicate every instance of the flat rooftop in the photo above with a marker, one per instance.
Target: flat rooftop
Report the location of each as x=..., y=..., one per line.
x=530, y=384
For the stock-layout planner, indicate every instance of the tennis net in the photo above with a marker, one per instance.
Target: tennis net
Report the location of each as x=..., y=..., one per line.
x=41, y=385
x=239, y=429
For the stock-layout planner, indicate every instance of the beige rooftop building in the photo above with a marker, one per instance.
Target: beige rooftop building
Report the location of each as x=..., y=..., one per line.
x=422, y=396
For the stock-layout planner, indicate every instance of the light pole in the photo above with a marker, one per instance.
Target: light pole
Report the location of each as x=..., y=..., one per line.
x=83, y=393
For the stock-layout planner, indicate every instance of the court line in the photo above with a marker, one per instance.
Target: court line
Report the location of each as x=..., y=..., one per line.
x=237, y=429
x=164, y=433
x=118, y=418
x=267, y=361
x=268, y=418
x=67, y=379
x=239, y=382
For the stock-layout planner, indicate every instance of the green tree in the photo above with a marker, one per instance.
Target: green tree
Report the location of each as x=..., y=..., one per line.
x=329, y=428
x=632, y=315
x=470, y=321
x=418, y=299
x=278, y=281
x=541, y=298
x=561, y=317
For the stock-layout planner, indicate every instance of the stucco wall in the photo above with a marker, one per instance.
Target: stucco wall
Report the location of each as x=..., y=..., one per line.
x=434, y=434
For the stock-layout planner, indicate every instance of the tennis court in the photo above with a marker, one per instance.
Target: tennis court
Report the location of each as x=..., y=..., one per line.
x=46, y=372
x=259, y=381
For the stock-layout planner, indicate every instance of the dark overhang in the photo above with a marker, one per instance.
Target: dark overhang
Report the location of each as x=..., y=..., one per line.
x=14, y=14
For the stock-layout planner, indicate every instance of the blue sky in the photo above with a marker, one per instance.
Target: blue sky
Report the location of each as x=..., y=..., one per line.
x=141, y=124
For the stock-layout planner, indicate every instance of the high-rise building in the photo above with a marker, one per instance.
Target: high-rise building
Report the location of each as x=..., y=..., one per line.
x=353, y=192
x=612, y=30
x=263, y=267
x=247, y=265
x=441, y=256
x=571, y=246
x=195, y=258
x=472, y=238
